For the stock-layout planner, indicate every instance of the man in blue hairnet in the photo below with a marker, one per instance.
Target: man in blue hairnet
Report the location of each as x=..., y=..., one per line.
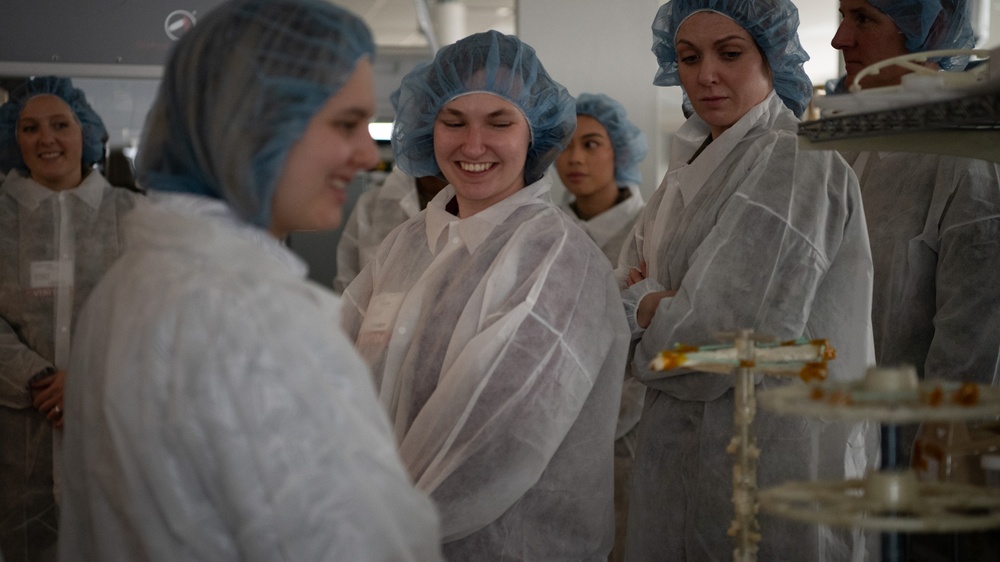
x=933, y=220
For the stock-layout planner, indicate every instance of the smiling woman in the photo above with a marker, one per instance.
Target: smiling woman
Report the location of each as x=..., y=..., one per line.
x=492, y=324
x=481, y=142
x=61, y=231
x=205, y=351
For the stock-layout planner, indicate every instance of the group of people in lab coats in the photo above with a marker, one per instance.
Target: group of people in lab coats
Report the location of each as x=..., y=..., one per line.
x=479, y=391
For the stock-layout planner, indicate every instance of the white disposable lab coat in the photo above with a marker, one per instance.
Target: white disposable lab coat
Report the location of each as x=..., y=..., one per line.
x=934, y=224
x=497, y=343
x=217, y=412
x=609, y=231
x=754, y=233
x=54, y=247
x=377, y=212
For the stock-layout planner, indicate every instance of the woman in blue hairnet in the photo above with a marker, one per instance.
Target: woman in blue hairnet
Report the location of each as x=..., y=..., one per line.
x=492, y=324
x=61, y=231
x=600, y=169
x=745, y=231
x=215, y=411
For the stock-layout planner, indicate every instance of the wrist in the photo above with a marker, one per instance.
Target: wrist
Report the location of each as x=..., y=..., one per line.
x=44, y=373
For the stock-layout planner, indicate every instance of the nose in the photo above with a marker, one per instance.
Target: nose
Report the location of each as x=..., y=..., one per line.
x=46, y=133
x=473, y=144
x=574, y=154
x=366, y=152
x=707, y=73
x=843, y=38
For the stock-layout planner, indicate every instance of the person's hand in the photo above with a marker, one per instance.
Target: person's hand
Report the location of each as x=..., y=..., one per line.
x=47, y=396
x=648, y=305
x=637, y=274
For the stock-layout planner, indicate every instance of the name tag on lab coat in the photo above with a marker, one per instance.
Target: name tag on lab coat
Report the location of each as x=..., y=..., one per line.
x=47, y=274
x=380, y=318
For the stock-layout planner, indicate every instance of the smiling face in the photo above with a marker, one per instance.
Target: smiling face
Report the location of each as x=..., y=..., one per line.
x=866, y=36
x=721, y=69
x=51, y=142
x=587, y=165
x=336, y=145
x=481, y=145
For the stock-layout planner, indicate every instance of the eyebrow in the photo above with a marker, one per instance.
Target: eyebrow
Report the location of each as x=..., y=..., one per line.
x=503, y=112
x=859, y=10
x=357, y=112
x=718, y=42
x=593, y=136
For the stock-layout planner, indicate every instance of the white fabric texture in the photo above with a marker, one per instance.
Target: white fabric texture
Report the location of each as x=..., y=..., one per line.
x=497, y=343
x=54, y=247
x=218, y=413
x=934, y=224
x=377, y=212
x=609, y=230
x=754, y=233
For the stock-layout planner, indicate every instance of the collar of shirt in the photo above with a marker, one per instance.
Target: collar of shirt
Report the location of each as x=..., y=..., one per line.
x=610, y=223
x=692, y=134
x=402, y=188
x=30, y=193
x=475, y=229
x=222, y=216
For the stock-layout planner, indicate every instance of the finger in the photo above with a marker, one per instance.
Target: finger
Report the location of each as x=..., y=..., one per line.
x=45, y=400
x=55, y=413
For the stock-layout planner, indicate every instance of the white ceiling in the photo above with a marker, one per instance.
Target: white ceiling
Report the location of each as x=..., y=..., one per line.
x=395, y=23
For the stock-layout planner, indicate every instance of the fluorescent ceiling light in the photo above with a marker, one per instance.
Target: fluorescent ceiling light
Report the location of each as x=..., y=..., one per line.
x=380, y=131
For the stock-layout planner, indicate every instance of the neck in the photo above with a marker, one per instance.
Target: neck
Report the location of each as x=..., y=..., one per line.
x=589, y=206
x=61, y=184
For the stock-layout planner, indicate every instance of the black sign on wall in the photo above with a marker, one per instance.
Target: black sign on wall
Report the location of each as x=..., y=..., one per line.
x=107, y=38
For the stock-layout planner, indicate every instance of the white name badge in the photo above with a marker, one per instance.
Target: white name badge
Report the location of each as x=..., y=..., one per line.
x=46, y=274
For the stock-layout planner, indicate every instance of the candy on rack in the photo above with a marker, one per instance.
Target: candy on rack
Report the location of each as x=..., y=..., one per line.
x=804, y=358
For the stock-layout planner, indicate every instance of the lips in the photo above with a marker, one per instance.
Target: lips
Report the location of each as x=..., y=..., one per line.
x=713, y=101
x=576, y=176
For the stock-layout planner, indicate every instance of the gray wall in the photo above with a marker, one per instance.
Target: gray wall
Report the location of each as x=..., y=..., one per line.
x=603, y=46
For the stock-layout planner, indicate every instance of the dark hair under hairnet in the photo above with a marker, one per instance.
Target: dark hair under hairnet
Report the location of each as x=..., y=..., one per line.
x=484, y=62
x=931, y=25
x=627, y=139
x=239, y=91
x=773, y=24
x=94, y=133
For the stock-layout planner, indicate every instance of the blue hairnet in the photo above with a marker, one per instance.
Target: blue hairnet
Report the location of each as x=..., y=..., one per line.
x=485, y=62
x=239, y=91
x=94, y=133
x=773, y=24
x=930, y=25
x=627, y=139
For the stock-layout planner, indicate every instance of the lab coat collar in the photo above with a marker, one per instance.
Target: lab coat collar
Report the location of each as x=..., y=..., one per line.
x=401, y=188
x=203, y=224
x=609, y=224
x=30, y=193
x=477, y=228
x=692, y=135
